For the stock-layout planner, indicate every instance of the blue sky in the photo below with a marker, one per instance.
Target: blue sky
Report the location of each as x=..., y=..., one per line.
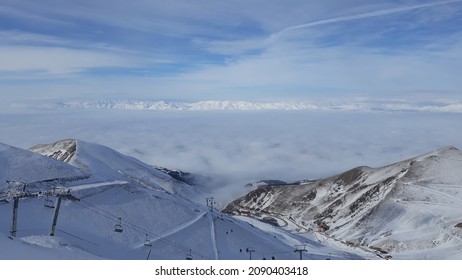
x=233, y=50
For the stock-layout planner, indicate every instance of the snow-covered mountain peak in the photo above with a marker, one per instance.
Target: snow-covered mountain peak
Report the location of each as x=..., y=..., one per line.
x=406, y=206
x=219, y=105
x=449, y=151
x=107, y=164
x=440, y=152
x=125, y=194
x=62, y=150
x=25, y=166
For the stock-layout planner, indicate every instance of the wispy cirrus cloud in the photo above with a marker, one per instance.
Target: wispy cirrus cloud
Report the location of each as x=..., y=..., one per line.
x=377, y=13
x=57, y=61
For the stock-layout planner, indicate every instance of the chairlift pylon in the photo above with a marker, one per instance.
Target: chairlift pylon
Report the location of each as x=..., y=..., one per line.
x=148, y=242
x=118, y=227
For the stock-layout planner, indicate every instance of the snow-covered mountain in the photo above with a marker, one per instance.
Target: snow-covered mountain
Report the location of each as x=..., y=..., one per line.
x=62, y=150
x=123, y=211
x=213, y=105
x=410, y=209
x=184, y=106
x=105, y=164
x=20, y=165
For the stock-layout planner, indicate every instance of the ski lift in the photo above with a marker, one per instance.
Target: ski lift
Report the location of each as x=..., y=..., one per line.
x=189, y=255
x=49, y=203
x=118, y=227
x=148, y=242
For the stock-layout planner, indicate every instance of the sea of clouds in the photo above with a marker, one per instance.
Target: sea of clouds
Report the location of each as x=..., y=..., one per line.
x=244, y=146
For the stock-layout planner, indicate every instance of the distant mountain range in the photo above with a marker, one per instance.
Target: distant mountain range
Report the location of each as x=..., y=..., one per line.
x=454, y=107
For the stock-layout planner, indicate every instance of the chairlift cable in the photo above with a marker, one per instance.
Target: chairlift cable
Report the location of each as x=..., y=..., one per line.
x=102, y=210
x=75, y=236
x=134, y=227
x=111, y=217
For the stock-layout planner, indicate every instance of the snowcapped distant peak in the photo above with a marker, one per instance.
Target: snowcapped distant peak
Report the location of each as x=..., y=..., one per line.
x=224, y=105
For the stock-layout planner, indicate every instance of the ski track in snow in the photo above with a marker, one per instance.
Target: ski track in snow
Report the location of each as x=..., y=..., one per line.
x=442, y=229
x=435, y=191
x=212, y=235
x=96, y=185
x=180, y=227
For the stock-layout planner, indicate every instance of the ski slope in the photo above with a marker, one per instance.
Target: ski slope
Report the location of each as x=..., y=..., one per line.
x=122, y=189
x=175, y=227
x=105, y=164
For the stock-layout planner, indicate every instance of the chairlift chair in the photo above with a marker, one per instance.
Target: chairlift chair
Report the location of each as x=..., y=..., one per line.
x=49, y=203
x=118, y=227
x=189, y=255
x=148, y=242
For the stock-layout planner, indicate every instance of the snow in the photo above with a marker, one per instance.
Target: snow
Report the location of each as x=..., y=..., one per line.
x=37, y=167
x=85, y=228
x=175, y=226
x=404, y=210
x=213, y=105
x=106, y=164
x=412, y=215
x=40, y=248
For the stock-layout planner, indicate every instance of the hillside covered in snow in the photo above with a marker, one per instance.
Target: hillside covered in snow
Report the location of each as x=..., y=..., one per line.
x=409, y=209
x=116, y=207
x=105, y=164
x=113, y=206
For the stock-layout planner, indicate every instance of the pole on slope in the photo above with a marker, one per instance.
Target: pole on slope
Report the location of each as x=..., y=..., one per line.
x=55, y=217
x=210, y=202
x=14, y=223
x=63, y=193
x=250, y=251
x=149, y=254
x=300, y=249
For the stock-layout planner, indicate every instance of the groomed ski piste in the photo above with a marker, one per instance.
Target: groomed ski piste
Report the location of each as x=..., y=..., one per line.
x=154, y=222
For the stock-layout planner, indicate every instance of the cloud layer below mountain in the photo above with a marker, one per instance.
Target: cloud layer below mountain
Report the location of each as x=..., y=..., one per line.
x=246, y=145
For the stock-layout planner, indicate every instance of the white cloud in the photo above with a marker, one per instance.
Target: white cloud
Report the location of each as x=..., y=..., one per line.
x=350, y=69
x=245, y=146
x=376, y=13
x=51, y=61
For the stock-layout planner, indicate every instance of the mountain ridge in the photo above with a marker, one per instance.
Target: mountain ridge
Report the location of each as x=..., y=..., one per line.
x=122, y=215
x=362, y=205
x=105, y=164
x=38, y=167
x=229, y=105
